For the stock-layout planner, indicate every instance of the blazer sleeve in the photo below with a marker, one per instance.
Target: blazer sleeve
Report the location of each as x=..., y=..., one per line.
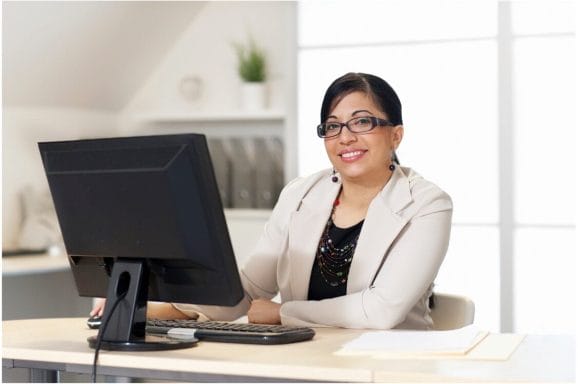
x=410, y=267
x=265, y=271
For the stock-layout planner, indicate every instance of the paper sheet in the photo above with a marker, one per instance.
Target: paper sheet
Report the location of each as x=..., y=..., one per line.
x=458, y=341
x=497, y=347
x=469, y=344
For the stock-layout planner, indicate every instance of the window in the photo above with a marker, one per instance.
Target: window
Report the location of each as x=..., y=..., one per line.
x=445, y=59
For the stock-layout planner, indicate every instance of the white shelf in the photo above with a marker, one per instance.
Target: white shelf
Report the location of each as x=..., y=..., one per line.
x=230, y=116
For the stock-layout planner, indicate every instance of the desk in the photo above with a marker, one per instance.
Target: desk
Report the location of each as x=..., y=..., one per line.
x=35, y=286
x=34, y=264
x=60, y=344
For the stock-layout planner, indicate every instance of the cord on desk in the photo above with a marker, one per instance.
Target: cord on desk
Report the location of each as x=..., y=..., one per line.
x=101, y=333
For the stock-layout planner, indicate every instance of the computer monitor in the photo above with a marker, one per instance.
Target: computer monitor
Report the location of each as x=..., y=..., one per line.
x=141, y=217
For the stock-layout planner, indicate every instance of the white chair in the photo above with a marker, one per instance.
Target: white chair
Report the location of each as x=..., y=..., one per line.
x=451, y=311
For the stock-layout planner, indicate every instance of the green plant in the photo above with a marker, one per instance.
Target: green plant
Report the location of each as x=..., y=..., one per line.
x=252, y=63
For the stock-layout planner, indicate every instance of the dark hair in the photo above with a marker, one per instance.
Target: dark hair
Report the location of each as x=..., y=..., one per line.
x=375, y=87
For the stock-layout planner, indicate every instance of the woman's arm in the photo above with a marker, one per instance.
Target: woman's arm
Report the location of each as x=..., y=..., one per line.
x=410, y=268
x=155, y=310
x=164, y=311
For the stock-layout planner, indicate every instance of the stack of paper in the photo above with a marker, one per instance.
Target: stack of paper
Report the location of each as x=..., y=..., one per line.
x=454, y=342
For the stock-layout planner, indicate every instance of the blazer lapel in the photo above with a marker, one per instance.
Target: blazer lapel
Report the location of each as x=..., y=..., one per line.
x=305, y=229
x=382, y=225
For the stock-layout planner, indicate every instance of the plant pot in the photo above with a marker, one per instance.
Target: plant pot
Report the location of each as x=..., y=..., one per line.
x=253, y=96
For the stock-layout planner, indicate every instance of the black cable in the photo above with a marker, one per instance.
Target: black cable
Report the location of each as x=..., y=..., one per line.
x=101, y=333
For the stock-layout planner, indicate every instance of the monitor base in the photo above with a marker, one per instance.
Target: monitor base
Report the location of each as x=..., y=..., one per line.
x=149, y=343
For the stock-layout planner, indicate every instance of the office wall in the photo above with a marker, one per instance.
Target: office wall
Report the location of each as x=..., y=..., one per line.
x=22, y=128
x=205, y=51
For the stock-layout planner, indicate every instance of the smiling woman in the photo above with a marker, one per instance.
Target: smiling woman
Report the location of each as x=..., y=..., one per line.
x=356, y=246
x=364, y=153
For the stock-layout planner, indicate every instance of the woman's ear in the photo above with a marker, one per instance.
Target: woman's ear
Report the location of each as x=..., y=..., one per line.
x=397, y=135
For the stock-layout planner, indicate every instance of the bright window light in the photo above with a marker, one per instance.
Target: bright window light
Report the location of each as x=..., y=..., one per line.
x=545, y=280
x=545, y=130
x=442, y=59
x=334, y=23
x=552, y=16
x=473, y=271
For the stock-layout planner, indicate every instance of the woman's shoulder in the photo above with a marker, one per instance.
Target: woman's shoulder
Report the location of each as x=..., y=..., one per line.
x=418, y=183
x=306, y=182
x=296, y=189
x=425, y=192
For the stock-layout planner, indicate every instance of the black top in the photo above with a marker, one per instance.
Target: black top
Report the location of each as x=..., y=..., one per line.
x=319, y=287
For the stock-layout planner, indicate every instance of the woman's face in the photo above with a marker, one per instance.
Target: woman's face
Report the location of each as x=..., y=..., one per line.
x=361, y=157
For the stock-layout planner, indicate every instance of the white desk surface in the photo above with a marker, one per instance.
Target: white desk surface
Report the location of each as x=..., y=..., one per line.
x=30, y=264
x=60, y=344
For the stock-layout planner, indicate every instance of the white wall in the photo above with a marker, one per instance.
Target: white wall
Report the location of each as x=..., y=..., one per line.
x=22, y=129
x=86, y=54
x=205, y=50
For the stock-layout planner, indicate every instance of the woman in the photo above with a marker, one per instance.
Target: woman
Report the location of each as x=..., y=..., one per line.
x=358, y=246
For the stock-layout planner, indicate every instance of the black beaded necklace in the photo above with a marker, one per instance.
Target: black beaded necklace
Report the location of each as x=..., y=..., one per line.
x=333, y=261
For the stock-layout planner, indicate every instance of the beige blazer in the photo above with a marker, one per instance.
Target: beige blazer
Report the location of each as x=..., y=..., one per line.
x=401, y=246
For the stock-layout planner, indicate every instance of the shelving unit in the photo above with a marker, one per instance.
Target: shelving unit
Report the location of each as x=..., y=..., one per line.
x=232, y=124
x=236, y=123
x=163, y=117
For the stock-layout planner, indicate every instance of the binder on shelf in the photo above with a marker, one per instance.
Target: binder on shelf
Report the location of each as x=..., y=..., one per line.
x=276, y=149
x=242, y=175
x=265, y=174
x=222, y=168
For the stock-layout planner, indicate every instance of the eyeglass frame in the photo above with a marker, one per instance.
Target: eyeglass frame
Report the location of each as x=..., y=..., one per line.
x=375, y=122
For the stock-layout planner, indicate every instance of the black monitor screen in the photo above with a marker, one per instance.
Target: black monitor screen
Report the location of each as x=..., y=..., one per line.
x=148, y=201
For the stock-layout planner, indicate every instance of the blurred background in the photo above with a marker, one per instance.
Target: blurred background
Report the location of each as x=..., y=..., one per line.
x=488, y=91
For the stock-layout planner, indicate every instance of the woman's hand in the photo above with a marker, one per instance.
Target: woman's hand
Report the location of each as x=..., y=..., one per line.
x=98, y=307
x=164, y=311
x=264, y=312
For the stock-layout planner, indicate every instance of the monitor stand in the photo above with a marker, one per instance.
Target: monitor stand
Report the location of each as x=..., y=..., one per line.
x=125, y=330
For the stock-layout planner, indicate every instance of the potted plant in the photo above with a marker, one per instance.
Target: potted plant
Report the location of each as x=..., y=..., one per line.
x=251, y=68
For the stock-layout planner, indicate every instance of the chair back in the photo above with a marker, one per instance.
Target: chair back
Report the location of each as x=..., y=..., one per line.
x=451, y=311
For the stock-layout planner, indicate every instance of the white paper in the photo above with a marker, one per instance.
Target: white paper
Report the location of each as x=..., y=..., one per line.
x=458, y=341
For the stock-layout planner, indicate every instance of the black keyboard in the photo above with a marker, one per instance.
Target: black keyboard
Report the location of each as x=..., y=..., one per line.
x=230, y=332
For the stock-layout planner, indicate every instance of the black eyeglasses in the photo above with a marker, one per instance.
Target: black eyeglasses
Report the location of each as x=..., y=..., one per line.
x=356, y=125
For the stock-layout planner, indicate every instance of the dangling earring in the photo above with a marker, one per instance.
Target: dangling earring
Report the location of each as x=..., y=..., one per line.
x=334, y=176
x=393, y=161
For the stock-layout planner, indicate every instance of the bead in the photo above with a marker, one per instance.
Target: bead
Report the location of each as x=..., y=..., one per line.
x=334, y=262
